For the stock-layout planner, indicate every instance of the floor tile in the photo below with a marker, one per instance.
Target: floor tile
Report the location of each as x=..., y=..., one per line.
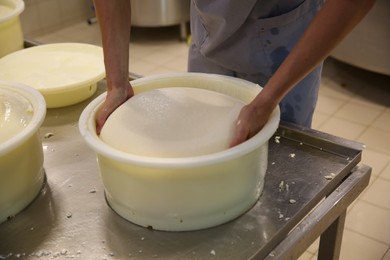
x=85, y=33
x=313, y=248
x=378, y=194
x=177, y=49
x=305, y=256
x=383, y=121
x=158, y=58
x=385, y=174
x=160, y=70
x=387, y=256
x=367, y=189
x=359, y=113
x=376, y=139
x=342, y=128
x=319, y=119
x=333, y=89
x=178, y=64
x=369, y=220
x=141, y=67
x=376, y=160
x=358, y=247
x=328, y=105
x=139, y=51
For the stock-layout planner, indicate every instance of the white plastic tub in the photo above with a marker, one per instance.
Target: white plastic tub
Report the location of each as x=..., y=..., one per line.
x=64, y=73
x=190, y=193
x=21, y=154
x=11, y=35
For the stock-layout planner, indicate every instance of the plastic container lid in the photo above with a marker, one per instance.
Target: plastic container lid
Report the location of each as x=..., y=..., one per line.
x=55, y=69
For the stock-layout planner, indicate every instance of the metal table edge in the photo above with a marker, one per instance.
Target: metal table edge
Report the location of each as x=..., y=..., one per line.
x=318, y=220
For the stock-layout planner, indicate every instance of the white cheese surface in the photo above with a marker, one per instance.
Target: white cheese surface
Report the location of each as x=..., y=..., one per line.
x=15, y=114
x=173, y=122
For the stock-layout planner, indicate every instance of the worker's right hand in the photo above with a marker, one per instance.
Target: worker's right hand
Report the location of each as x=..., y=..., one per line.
x=249, y=123
x=253, y=117
x=115, y=97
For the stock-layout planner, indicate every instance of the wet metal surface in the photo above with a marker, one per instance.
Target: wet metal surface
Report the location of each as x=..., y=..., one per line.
x=70, y=217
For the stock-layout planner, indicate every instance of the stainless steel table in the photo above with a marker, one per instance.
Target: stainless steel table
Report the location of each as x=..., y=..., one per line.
x=311, y=179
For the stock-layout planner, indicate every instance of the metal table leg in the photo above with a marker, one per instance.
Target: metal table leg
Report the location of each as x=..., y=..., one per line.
x=330, y=241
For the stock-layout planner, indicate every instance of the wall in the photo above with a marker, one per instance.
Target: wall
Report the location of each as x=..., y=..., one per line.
x=45, y=16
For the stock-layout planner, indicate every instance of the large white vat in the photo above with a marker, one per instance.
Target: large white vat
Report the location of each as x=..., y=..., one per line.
x=11, y=35
x=188, y=193
x=21, y=154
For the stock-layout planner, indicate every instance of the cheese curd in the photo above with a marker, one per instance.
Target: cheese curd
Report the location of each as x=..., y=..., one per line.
x=15, y=114
x=173, y=122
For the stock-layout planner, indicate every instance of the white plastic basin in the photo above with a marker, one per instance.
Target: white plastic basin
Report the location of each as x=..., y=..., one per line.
x=21, y=154
x=11, y=35
x=64, y=73
x=188, y=193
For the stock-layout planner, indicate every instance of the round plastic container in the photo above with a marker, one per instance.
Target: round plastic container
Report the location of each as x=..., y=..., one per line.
x=188, y=193
x=11, y=35
x=21, y=154
x=64, y=73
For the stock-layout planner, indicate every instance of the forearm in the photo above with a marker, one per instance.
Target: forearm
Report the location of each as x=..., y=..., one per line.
x=114, y=18
x=332, y=23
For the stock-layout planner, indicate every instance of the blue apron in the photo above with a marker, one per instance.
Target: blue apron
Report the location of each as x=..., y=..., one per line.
x=249, y=39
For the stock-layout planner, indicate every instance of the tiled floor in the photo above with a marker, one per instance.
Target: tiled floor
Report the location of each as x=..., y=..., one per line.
x=353, y=103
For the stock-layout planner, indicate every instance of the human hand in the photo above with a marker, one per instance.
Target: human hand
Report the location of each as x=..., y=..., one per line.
x=115, y=98
x=250, y=121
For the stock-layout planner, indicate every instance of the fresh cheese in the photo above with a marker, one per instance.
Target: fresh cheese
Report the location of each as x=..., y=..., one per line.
x=15, y=114
x=173, y=122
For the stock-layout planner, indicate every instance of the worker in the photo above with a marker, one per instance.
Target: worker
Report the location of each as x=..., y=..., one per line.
x=279, y=44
